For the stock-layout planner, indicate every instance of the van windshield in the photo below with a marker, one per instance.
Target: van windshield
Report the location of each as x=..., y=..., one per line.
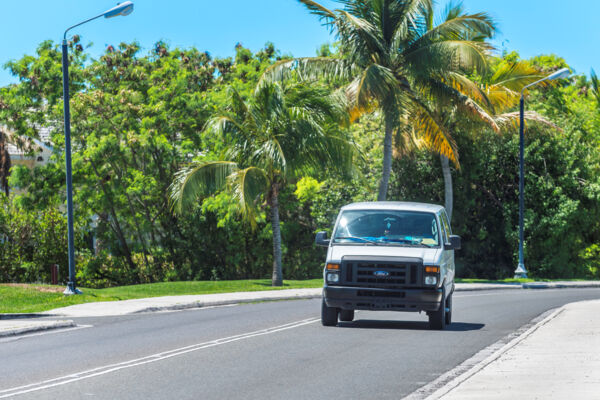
x=387, y=227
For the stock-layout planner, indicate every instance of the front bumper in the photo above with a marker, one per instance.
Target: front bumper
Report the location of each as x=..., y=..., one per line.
x=358, y=298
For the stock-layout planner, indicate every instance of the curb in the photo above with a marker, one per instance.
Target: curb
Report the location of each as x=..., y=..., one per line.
x=25, y=315
x=199, y=304
x=36, y=328
x=448, y=381
x=561, y=285
x=459, y=287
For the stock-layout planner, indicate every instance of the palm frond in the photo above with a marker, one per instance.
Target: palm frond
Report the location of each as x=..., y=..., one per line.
x=317, y=9
x=236, y=103
x=467, y=87
x=515, y=76
x=201, y=179
x=432, y=131
x=222, y=124
x=435, y=137
x=459, y=27
x=247, y=186
x=444, y=55
x=511, y=120
x=444, y=95
x=411, y=16
x=359, y=33
x=375, y=83
x=309, y=69
x=501, y=97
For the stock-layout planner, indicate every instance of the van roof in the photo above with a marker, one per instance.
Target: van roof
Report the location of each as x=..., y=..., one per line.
x=394, y=205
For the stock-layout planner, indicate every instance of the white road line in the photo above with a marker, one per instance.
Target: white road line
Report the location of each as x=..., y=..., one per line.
x=481, y=294
x=146, y=360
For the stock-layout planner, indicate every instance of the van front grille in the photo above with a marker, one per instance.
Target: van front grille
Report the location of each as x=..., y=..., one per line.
x=388, y=273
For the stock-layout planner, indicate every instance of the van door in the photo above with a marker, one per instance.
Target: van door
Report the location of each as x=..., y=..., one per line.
x=448, y=255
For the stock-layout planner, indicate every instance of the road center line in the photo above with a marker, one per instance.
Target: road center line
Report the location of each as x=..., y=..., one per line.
x=63, y=380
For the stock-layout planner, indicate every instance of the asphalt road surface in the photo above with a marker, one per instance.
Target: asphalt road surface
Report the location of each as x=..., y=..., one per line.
x=276, y=350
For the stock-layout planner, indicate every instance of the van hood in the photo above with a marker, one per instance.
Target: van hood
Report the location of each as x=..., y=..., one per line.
x=429, y=256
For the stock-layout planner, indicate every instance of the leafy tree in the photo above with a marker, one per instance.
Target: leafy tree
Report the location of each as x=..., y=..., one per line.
x=394, y=58
x=278, y=135
x=595, y=87
x=498, y=91
x=135, y=119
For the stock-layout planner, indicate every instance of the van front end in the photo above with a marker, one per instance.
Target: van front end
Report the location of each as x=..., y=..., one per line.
x=382, y=283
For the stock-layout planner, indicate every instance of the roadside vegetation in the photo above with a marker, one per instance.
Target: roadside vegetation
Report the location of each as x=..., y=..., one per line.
x=188, y=167
x=26, y=298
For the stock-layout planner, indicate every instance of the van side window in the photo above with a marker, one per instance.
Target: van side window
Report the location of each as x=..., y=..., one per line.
x=445, y=227
x=446, y=222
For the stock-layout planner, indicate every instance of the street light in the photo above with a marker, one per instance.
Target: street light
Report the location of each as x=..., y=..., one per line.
x=124, y=8
x=521, y=272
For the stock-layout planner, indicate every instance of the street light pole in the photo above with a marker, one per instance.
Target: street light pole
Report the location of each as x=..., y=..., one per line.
x=71, y=289
x=521, y=272
x=121, y=9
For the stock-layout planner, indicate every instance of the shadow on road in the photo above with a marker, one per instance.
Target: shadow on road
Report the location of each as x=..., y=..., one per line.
x=407, y=325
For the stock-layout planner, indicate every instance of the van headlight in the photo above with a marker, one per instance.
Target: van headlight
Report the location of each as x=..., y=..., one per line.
x=430, y=280
x=333, y=277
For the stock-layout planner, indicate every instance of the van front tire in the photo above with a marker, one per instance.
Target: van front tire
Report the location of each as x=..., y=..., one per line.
x=449, y=310
x=329, y=315
x=437, y=319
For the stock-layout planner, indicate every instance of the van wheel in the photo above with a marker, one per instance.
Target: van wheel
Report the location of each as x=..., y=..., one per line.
x=449, y=310
x=437, y=319
x=346, y=315
x=329, y=315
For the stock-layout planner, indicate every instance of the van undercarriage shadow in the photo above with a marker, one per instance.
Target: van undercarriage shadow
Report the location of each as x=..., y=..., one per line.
x=408, y=325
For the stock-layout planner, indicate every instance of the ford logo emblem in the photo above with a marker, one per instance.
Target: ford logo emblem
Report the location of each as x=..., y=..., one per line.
x=381, y=273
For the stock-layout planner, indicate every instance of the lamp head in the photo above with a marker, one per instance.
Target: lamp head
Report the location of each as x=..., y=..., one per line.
x=561, y=73
x=123, y=9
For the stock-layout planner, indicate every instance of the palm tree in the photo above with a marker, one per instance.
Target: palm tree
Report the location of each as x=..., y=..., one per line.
x=497, y=91
x=278, y=135
x=394, y=57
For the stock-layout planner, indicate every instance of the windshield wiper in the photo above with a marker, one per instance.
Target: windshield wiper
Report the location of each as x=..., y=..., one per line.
x=397, y=240
x=409, y=242
x=357, y=237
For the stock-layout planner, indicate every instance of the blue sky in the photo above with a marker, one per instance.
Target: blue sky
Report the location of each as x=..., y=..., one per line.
x=529, y=26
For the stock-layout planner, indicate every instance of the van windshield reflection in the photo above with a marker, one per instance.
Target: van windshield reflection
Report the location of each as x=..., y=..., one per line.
x=387, y=227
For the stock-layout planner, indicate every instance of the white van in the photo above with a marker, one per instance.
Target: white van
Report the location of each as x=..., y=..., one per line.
x=394, y=256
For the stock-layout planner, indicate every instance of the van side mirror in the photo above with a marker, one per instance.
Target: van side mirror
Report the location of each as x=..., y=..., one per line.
x=321, y=239
x=455, y=243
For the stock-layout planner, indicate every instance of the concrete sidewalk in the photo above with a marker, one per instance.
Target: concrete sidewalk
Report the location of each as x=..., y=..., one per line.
x=166, y=303
x=559, y=358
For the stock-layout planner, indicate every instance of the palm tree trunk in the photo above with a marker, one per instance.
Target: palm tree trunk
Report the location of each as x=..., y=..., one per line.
x=448, y=192
x=387, y=159
x=4, y=164
x=277, y=279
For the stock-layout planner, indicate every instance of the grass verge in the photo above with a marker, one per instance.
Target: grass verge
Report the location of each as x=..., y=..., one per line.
x=38, y=298
x=512, y=280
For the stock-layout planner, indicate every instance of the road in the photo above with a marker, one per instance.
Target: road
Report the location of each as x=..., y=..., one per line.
x=270, y=350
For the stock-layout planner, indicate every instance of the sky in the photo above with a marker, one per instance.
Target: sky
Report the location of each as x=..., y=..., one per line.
x=530, y=27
